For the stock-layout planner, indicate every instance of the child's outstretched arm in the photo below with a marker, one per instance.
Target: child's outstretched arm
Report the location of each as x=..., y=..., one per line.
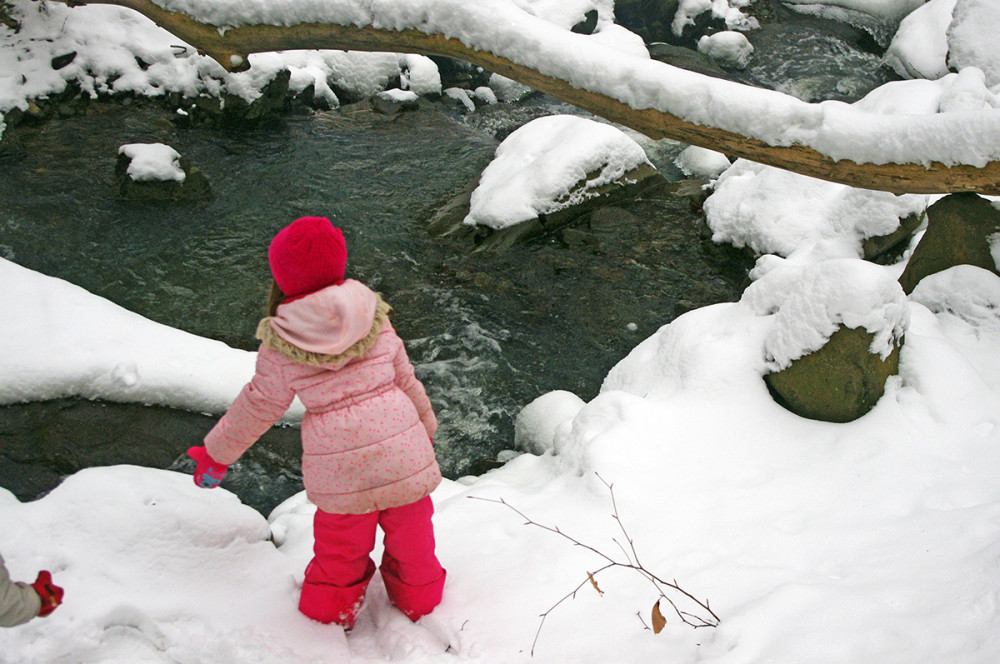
x=259, y=405
x=408, y=382
x=208, y=474
x=20, y=602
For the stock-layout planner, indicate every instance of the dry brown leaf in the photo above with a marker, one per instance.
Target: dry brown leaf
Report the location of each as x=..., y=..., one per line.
x=659, y=622
x=593, y=582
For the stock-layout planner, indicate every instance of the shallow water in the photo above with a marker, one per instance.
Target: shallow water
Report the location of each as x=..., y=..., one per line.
x=815, y=59
x=488, y=333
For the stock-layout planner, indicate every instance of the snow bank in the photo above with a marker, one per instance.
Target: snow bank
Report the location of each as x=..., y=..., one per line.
x=887, y=9
x=948, y=34
x=66, y=342
x=118, y=51
x=154, y=569
x=567, y=13
x=536, y=424
x=751, y=205
x=968, y=292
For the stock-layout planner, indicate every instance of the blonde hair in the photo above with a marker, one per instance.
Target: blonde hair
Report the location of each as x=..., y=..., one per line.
x=275, y=298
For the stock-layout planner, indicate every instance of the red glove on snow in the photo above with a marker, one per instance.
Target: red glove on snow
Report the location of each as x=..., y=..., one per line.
x=208, y=474
x=50, y=594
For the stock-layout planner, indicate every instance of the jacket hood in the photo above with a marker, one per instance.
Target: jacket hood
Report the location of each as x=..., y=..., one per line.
x=329, y=326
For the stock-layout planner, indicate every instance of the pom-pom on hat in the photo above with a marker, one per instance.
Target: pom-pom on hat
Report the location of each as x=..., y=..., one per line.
x=307, y=255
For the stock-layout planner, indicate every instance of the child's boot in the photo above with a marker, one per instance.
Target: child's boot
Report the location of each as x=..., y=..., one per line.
x=329, y=603
x=413, y=600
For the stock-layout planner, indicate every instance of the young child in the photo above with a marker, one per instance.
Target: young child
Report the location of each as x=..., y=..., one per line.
x=367, y=450
x=20, y=602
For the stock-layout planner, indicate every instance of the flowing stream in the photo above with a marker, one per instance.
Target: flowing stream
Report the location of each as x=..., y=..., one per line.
x=488, y=333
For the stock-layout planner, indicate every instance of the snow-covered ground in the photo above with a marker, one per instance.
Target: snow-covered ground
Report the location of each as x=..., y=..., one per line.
x=872, y=541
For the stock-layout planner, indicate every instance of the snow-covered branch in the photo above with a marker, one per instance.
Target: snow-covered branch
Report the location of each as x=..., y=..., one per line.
x=945, y=152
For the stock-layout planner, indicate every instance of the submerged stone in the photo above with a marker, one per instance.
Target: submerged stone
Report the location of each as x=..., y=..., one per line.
x=448, y=221
x=194, y=186
x=391, y=102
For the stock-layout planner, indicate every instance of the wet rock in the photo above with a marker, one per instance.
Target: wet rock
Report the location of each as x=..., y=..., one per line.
x=688, y=59
x=459, y=73
x=886, y=249
x=587, y=25
x=958, y=230
x=36, y=110
x=273, y=98
x=840, y=382
x=60, y=61
x=650, y=19
x=577, y=237
x=194, y=187
x=391, y=102
x=7, y=19
x=459, y=99
x=695, y=190
x=610, y=219
x=484, y=465
x=208, y=105
x=447, y=221
x=42, y=442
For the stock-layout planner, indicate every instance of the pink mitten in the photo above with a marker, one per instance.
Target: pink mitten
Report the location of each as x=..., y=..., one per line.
x=208, y=474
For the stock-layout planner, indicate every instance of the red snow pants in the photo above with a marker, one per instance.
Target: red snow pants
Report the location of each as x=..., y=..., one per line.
x=338, y=575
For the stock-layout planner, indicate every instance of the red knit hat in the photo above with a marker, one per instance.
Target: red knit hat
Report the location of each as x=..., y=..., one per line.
x=307, y=255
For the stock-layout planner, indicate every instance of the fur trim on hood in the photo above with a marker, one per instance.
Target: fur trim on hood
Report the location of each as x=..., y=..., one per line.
x=270, y=338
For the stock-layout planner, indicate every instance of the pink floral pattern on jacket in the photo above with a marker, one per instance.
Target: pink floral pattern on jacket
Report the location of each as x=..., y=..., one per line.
x=368, y=429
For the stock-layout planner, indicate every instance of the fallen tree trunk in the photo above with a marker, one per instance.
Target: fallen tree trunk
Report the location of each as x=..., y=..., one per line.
x=232, y=46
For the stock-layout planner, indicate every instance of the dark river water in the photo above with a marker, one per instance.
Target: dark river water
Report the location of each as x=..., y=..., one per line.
x=488, y=333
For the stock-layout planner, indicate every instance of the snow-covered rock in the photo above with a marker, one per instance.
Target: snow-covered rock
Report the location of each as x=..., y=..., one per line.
x=919, y=48
x=728, y=48
x=974, y=38
x=701, y=162
x=550, y=164
x=536, y=424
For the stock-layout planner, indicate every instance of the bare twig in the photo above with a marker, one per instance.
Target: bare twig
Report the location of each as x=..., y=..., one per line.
x=703, y=616
x=644, y=625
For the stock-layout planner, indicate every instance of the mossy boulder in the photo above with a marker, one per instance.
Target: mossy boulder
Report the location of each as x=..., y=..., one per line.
x=840, y=382
x=959, y=228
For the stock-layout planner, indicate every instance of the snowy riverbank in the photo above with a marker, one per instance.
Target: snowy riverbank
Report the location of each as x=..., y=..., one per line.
x=872, y=541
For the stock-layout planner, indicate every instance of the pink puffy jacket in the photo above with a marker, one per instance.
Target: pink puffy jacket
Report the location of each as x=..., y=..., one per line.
x=366, y=435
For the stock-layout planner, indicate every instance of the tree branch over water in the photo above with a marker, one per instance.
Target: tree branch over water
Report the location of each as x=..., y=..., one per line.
x=231, y=47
